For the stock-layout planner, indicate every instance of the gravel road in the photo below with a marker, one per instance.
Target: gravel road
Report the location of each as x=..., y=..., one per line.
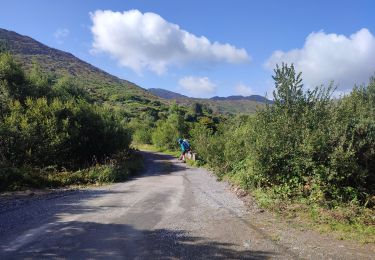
x=172, y=211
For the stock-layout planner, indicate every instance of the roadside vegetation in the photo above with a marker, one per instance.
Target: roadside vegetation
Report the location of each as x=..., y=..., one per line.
x=305, y=145
x=307, y=156
x=52, y=133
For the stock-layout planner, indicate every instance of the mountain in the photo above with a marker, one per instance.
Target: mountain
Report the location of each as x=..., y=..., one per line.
x=105, y=87
x=256, y=98
x=167, y=94
x=108, y=89
x=222, y=105
x=163, y=93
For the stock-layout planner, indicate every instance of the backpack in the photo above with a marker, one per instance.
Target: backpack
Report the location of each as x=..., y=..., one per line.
x=186, y=144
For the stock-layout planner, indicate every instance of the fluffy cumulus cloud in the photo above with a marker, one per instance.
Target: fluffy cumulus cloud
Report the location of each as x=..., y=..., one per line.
x=326, y=57
x=197, y=86
x=146, y=41
x=243, y=90
x=61, y=34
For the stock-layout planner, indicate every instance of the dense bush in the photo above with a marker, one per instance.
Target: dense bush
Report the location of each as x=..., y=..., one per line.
x=47, y=121
x=168, y=130
x=119, y=168
x=166, y=133
x=304, y=145
x=142, y=129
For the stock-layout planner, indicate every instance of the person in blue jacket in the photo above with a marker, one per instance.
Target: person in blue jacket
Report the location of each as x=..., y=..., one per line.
x=185, y=147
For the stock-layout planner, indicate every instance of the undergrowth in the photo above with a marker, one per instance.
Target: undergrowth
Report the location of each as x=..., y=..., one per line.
x=346, y=221
x=119, y=168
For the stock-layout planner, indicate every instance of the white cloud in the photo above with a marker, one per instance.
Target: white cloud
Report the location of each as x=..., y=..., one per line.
x=147, y=41
x=325, y=57
x=243, y=90
x=61, y=34
x=197, y=86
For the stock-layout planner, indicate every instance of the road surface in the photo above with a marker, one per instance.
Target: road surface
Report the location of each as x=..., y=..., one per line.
x=171, y=211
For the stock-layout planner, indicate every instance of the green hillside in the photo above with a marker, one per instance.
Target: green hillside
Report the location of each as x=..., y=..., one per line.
x=106, y=88
x=102, y=86
x=167, y=94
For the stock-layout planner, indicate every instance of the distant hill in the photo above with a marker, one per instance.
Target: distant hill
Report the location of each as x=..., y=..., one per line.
x=163, y=93
x=222, y=105
x=106, y=88
x=102, y=85
x=167, y=94
x=256, y=98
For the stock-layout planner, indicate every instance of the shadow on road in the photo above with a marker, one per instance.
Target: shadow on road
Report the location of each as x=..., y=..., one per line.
x=91, y=240
x=160, y=164
x=95, y=240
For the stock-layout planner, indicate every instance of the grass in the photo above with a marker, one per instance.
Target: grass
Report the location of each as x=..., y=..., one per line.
x=120, y=168
x=345, y=221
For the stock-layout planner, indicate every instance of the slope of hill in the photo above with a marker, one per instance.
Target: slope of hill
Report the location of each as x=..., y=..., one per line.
x=163, y=93
x=103, y=86
x=106, y=88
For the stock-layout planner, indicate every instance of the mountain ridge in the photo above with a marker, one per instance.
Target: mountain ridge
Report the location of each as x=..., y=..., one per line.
x=107, y=88
x=167, y=94
x=257, y=98
x=221, y=105
x=23, y=44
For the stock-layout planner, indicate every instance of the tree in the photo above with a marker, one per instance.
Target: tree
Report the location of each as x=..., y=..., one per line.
x=4, y=99
x=197, y=109
x=12, y=77
x=3, y=46
x=289, y=87
x=39, y=81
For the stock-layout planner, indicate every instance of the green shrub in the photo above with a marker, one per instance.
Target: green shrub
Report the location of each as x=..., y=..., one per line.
x=142, y=129
x=49, y=122
x=119, y=168
x=67, y=134
x=165, y=135
x=304, y=145
x=167, y=131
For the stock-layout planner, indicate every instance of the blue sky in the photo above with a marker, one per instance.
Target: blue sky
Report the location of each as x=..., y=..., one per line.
x=207, y=48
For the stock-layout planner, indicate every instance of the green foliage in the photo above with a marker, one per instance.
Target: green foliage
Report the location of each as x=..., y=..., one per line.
x=197, y=109
x=167, y=131
x=3, y=46
x=119, y=168
x=142, y=129
x=304, y=145
x=47, y=122
x=4, y=98
x=201, y=140
x=67, y=88
x=66, y=134
x=165, y=134
x=12, y=77
x=288, y=86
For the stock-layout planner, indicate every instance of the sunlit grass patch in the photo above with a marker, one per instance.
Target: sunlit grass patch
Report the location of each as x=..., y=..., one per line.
x=120, y=168
x=345, y=222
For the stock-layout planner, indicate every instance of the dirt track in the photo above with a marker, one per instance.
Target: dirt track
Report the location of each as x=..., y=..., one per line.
x=171, y=211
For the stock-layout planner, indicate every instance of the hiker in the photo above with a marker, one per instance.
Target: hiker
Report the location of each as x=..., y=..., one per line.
x=185, y=147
